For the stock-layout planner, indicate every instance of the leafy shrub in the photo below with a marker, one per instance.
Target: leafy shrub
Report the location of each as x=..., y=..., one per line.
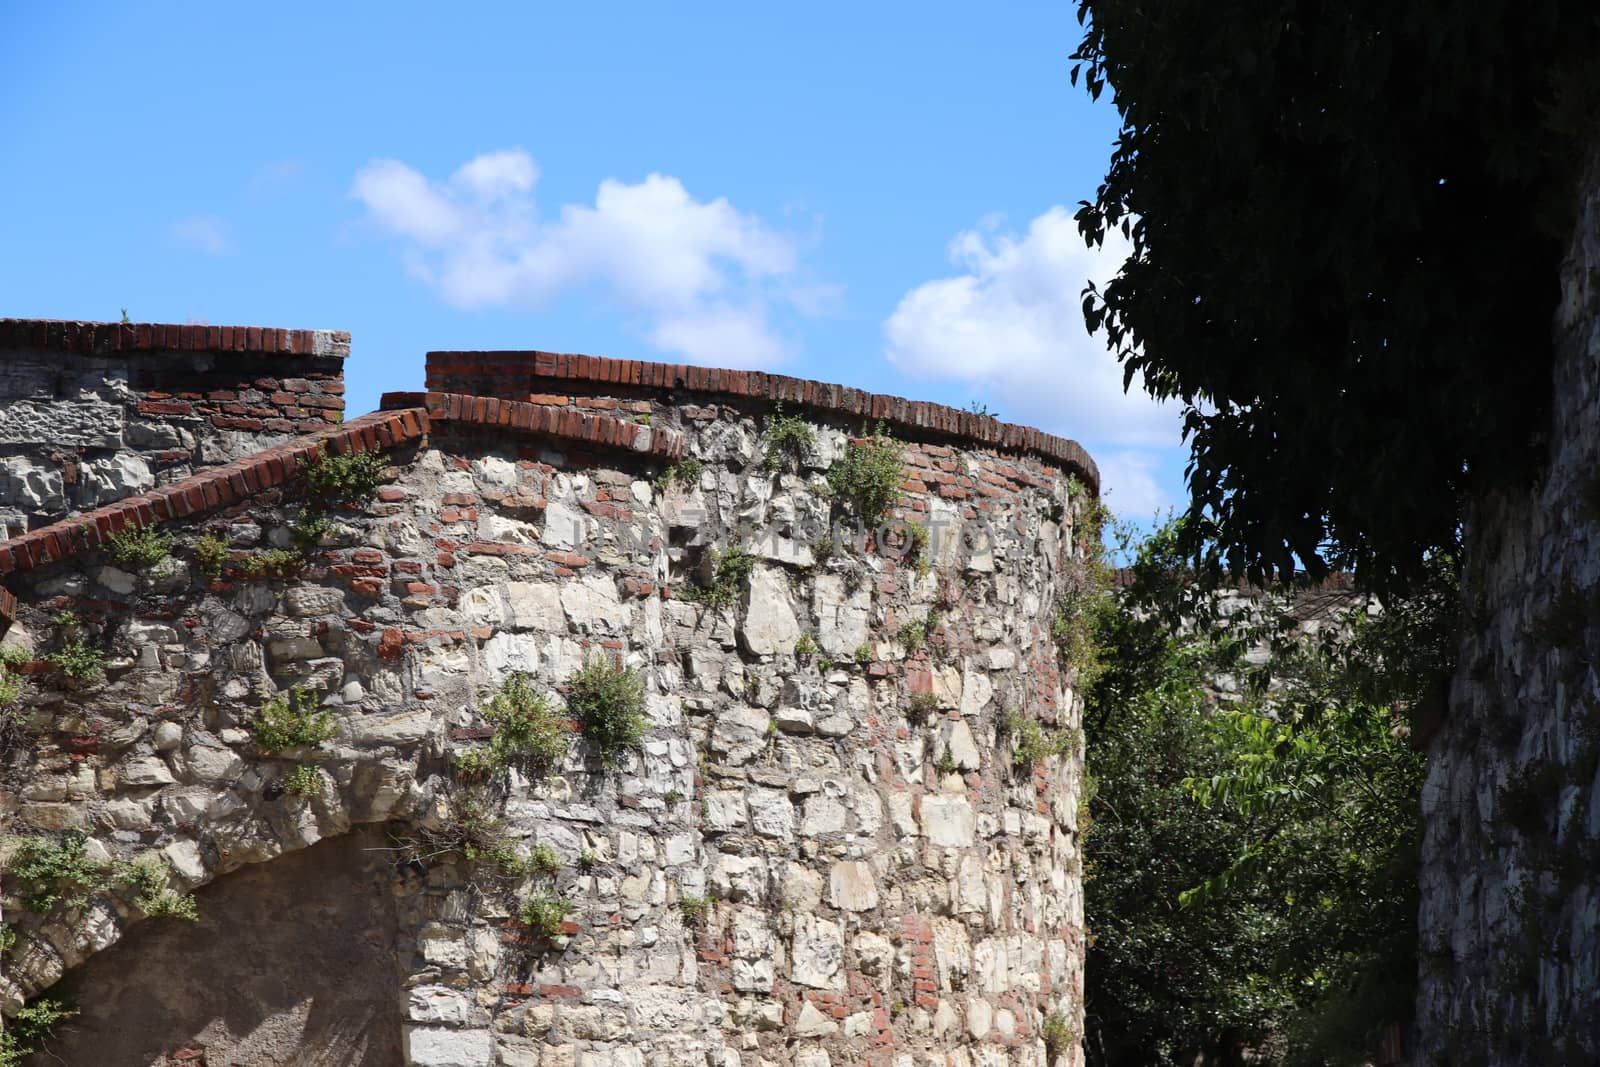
x=867, y=478
x=349, y=478
x=789, y=439
x=310, y=528
x=157, y=898
x=61, y=874
x=273, y=563
x=211, y=553
x=57, y=872
x=731, y=570
x=526, y=727
x=543, y=912
x=138, y=548
x=11, y=660
x=30, y=1029
x=684, y=473
x=74, y=656
x=805, y=647
x=542, y=859
x=863, y=654
x=303, y=781
x=607, y=699
x=291, y=720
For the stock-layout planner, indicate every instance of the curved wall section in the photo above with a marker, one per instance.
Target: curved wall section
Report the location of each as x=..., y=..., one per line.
x=823, y=851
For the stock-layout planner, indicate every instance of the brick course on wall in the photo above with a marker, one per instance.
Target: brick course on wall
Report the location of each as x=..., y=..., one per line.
x=93, y=412
x=878, y=883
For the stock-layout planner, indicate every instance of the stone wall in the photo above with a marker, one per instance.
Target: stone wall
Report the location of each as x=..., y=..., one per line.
x=91, y=413
x=881, y=884
x=1510, y=918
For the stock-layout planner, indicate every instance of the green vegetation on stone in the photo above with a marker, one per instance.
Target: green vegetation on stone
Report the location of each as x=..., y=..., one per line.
x=790, y=440
x=211, y=553
x=730, y=574
x=685, y=473
x=292, y=720
x=867, y=478
x=138, y=548
x=607, y=699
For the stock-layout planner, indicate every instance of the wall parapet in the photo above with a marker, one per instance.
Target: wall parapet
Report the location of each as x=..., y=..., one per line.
x=104, y=338
x=519, y=375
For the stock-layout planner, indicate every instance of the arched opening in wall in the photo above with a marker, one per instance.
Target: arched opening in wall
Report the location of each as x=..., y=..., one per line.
x=293, y=963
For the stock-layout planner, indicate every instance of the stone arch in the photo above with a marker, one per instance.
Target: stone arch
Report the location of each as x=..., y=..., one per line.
x=320, y=983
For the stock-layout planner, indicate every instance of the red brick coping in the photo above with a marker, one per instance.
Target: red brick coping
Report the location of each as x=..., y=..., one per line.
x=104, y=338
x=521, y=375
x=600, y=430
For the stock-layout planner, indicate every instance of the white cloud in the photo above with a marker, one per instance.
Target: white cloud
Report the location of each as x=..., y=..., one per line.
x=703, y=278
x=1128, y=484
x=1012, y=324
x=202, y=233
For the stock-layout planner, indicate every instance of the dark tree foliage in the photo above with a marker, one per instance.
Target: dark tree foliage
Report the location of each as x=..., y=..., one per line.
x=1347, y=220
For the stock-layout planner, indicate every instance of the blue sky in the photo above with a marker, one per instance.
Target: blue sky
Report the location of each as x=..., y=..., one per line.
x=877, y=194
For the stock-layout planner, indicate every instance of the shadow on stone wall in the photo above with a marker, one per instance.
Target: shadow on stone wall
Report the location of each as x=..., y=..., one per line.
x=293, y=962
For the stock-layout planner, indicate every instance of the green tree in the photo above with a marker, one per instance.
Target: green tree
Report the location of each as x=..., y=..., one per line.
x=1346, y=222
x=1252, y=854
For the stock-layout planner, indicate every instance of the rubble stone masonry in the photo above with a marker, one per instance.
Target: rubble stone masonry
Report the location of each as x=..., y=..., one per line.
x=821, y=854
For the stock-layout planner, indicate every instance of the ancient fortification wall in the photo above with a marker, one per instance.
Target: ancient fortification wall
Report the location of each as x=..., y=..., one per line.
x=1510, y=919
x=823, y=852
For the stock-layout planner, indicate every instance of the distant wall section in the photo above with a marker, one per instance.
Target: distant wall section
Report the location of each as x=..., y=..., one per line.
x=94, y=412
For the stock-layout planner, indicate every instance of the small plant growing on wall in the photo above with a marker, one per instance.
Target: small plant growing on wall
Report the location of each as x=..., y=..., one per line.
x=137, y=548
x=47, y=873
x=347, y=479
x=526, y=727
x=30, y=1029
x=914, y=634
x=921, y=707
x=303, y=781
x=790, y=441
x=867, y=478
x=1057, y=1035
x=1031, y=744
x=74, y=656
x=291, y=720
x=157, y=899
x=543, y=913
x=695, y=911
x=684, y=473
x=917, y=538
x=273, y=563
x=607, y=699
x=211, y=555
x=730, y=574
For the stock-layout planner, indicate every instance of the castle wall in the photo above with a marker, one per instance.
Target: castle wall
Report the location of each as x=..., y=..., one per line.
x=1510, y=916
x=881, y=884
x=91, y=413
